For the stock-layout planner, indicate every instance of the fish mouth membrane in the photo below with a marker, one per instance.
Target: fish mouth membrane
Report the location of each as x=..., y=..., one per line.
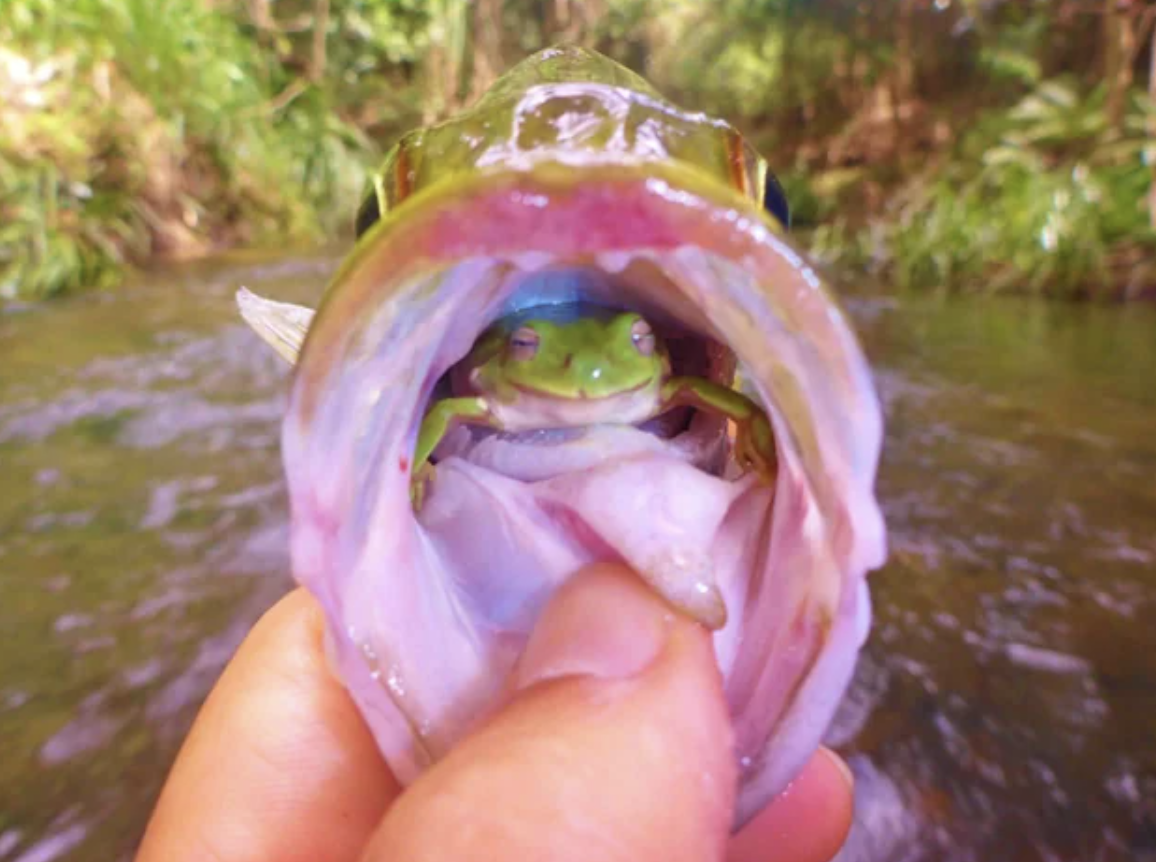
x=428, y=610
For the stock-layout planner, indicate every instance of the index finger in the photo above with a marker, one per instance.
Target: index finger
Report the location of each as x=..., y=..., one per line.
x=279, y=764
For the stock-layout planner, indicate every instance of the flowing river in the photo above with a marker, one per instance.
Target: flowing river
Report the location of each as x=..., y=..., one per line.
x=1005, y=708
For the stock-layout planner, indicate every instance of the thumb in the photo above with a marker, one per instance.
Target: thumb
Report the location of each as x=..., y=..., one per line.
x=617, y=745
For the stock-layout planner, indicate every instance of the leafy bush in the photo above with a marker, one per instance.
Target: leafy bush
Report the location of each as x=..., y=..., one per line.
x=138, y=127
x=1043, y=198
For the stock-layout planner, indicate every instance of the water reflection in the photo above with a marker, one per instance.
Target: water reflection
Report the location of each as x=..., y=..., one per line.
x=142, y=530
x=1003, y=709
x=1008, y=684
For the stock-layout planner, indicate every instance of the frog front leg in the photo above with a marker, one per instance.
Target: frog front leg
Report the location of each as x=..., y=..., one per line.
x=439, y=419
x=754, y=441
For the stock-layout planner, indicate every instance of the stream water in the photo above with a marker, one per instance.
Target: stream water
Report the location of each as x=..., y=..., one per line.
x=1005, y=708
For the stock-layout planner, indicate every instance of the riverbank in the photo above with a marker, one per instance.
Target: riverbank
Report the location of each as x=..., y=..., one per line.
x=133, y=133
x=1044, y=197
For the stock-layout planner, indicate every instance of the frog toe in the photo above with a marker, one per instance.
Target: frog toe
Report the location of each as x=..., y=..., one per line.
x=755, y=449
x=418, y=487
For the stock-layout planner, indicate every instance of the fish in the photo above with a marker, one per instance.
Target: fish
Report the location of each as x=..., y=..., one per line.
x=573, y=181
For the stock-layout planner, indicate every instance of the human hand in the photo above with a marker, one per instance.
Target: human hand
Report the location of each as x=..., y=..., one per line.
x=615, y=746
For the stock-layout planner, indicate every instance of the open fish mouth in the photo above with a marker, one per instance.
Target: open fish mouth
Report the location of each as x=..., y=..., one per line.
x=428, y=611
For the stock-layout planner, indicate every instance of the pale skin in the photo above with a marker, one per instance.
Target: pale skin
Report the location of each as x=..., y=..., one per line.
x=280, y=767
x=592, y=369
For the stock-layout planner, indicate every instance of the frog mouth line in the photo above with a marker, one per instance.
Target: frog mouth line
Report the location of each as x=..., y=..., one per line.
x=581, y=394
x=428, y=613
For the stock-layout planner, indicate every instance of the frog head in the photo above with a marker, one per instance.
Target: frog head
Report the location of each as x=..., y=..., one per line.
x=588, y=357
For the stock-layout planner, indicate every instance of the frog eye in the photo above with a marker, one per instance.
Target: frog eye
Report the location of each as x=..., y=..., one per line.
x=524, y=343
x=642, y=336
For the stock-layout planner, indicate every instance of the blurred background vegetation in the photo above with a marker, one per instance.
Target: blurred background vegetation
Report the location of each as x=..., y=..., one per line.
x=943, y=145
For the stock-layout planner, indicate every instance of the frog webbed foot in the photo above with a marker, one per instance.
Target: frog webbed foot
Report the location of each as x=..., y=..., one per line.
x=754, y=447
x=754, y=442
x=423, y=476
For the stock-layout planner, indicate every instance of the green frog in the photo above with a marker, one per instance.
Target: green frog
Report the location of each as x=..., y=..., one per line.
x=600, y=367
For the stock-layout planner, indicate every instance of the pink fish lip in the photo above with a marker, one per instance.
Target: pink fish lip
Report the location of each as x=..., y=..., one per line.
x=426, y=614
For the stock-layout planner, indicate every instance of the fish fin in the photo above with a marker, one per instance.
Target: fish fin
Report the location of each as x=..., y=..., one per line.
x=281, y=325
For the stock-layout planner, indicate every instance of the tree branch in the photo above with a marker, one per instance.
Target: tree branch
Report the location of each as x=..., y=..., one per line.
x=1147, y=17
x=320, y=32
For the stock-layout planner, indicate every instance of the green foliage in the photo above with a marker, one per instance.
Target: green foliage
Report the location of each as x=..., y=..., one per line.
x=64, y=219
x=370, y=31
x=153, y=126
x=1044, y=197
x=1011, y=53
x=816, y=196
x=749, y=60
